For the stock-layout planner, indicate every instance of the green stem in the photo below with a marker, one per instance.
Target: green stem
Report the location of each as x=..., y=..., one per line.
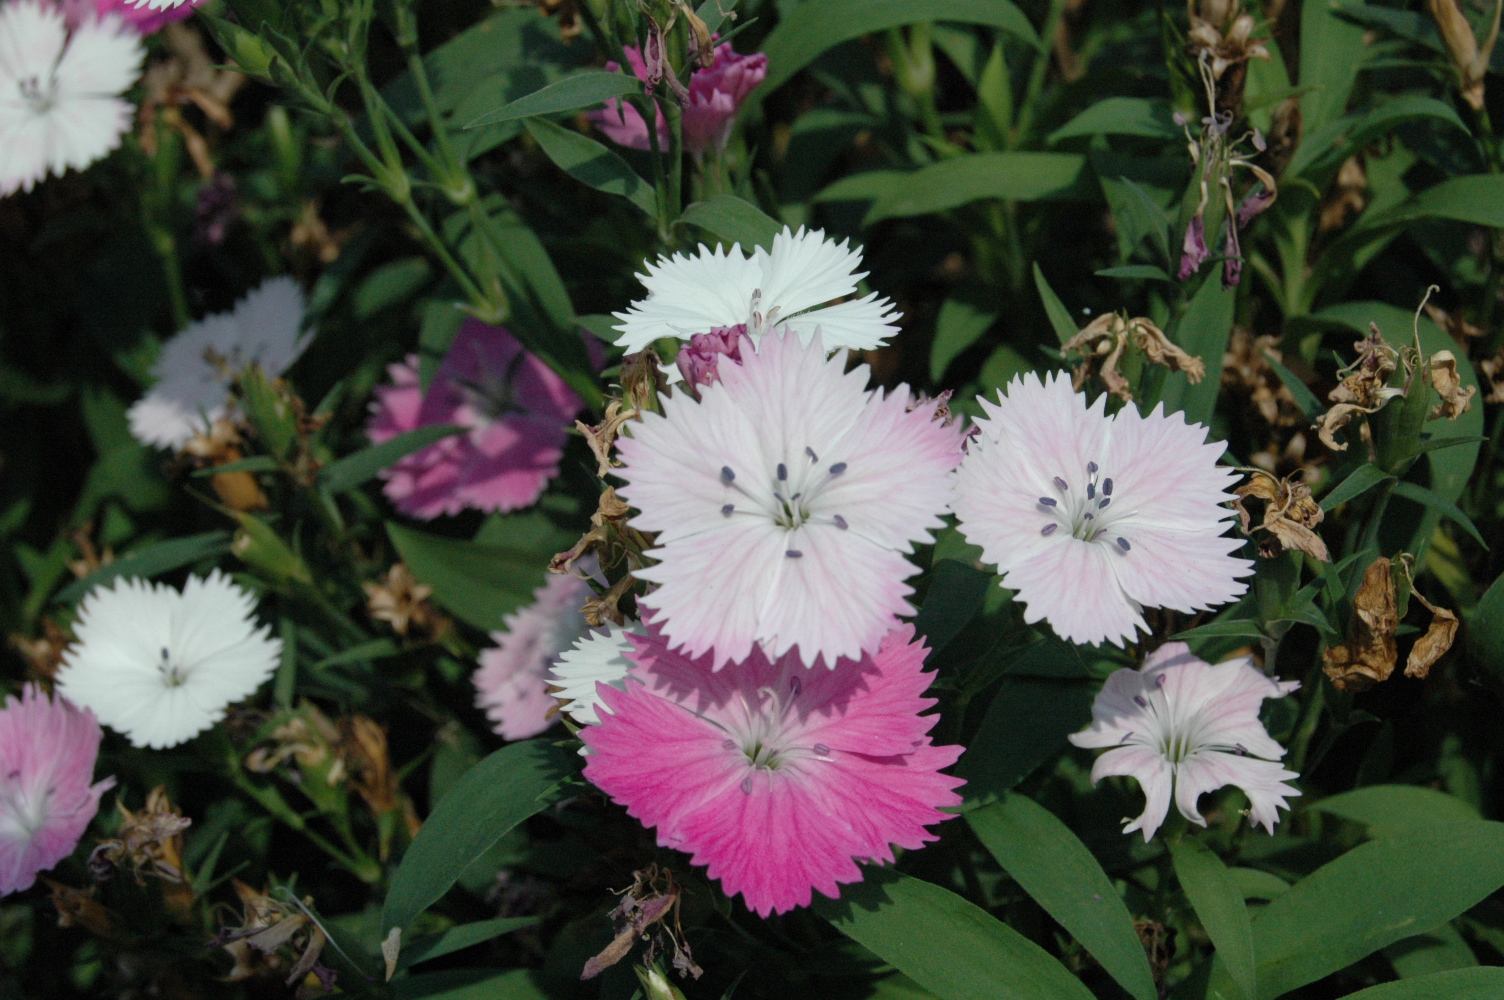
x=1024, y=125
x=166, y=246
x=358, y=863
x=1310, y=718
x=1370, y=536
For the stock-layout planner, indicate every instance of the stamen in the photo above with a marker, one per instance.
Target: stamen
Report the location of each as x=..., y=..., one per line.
x=1047, y=501
x=841, y=522
x=838, y=468
x=820, y=750
x=796, y=496
x=1091, y=491
x=1140, y=701
x=1061, y=483
x=1087, y=517
x=811, y=453
x=794, y=554
x=726, y=510
x=783, y=471
x=1107, y=487
x=165, y=655
x=726, y=474
x=1049, y=529
x=1104, y=503
x=1099, y=533
x=747, y=785
x=1123, y=544
x=795, y=686
x=1091, y=468
x=1240, y=749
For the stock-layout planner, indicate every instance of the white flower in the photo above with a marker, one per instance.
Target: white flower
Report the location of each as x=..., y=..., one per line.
x=697, y=294
x=599, y=657
x=161, y=665
x=160, y=4
x=1092, y=518
x=1179, y=722
x=192, y=389
x=60, y=103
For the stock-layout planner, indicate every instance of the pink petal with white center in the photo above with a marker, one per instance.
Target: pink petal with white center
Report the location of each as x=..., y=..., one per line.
x=777, y=778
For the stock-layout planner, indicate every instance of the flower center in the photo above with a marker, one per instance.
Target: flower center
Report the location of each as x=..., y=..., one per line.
x=1172, y=735
x=173, y=674
x=793, y=497
x=23, y=814
x=758, y=323
x=1086, y=512
x=37, y=96
x=493, y=396
x=766, y=741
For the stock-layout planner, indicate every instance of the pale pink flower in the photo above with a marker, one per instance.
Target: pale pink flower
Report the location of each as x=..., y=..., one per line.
x=146, y=20
x=1092, y=518
x=785, y=500
x=514, y=407
x=511, y=684
x=1181, y=723
x=777, y=777
x=715, y=96
x=47, y=754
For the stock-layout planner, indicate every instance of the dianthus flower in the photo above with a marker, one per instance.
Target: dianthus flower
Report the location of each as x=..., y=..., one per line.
x=143, y=18
x=1180, y=723
x=785, y=500
x=195, y=368
x=47, y=754
x=511, y=684
x=597, y=658
x=60, y=103
x=784, y=287
x=715, y=96
x=161, y=666
x=515, y=410
x=1092, y=518
x=778, y=778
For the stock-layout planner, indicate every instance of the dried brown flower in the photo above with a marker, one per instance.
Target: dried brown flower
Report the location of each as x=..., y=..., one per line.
x=311, y=236
x=1493, y=370
x=1246, y=369
x=651, y=900
x=1468, y=57
x=1439, y=637
x=44, y=654
x=1461, y=330
x=1221, y=30
x=270, y=932
x=1364, y=387
x=188, y=76
x=221, y=446
x=1290, y=514
x=150, y=842
x=1369, y=655
x=1103, y=341
x=1455, y=398
x=363, y=749
x=568, y=14
x=1348, y=197
x=79, y=908
x=402, y=601
x=89, y=558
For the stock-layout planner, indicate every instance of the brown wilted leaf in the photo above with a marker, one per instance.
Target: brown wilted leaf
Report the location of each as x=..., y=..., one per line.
x=1455, y=398
x=1369, y=655
x=1468, y=57
x=650, y=900
x=1290, y=514
x=602, y=436
x=1433, y=645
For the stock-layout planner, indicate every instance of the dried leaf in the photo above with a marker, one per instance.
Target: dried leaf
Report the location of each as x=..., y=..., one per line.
x=1369, y=655
x=1455, y=399
x=1433, y=645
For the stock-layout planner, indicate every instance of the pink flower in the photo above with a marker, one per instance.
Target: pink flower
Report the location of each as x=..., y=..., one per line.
x=715, y=96
x=511, y=684
x=145, y=20
x=699, y=360
x=785, y=500
x=47, y=754
x=1092, y=518
x=1180, y=722
x=514, y=407
x=777, y=777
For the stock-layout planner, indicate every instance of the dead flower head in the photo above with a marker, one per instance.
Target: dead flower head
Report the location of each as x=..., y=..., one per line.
x=306, y=738
x=1246, y=370
x=1456, y=399
x=1368, y=657
x=44, y=654
x=270, y=933
x=150, y=842
x=1439, y=635
x=402, y=601
x=1290, y=514
x=1364, y=387
x=188, y=76
x=79, y=908
x=1103, y=342
x=363, y=750
x=1222, y=30
x=1493, y=370
x=650, y=904
x=221, y=446
x=1469, y=59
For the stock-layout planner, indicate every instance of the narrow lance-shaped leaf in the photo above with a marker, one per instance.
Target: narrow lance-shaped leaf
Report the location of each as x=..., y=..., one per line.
x=581, y=90
x=1218, y=902
x=592, y=164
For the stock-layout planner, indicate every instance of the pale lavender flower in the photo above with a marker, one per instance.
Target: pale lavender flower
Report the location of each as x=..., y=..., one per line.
x=1092, y=518
x=511, y=684
x=1181, y=724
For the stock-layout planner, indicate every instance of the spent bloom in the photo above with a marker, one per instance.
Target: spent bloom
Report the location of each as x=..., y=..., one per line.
x=785, y=499
x=1092, y=518
x=161, y=665
x=513, y=406
x=511, y=684
x=600, y=657
x=778, y=778
x=60, y=103
x=787, y=286
x=1181, y=723
x=716, y=94
x=47, y=754
x=194, y=371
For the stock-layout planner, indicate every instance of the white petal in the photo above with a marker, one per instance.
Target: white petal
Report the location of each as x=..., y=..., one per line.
x=1154, y=776
x=598, y=658
x=690, y=294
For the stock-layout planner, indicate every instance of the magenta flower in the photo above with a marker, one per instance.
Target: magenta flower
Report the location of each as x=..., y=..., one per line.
x=511, y=684
x=47, y=754
x=144, y=19
x=785, y=501
x=778, y=778
x=715, y=96
x=1092, y=518
x=515, y=410
x=699, y=360
x=1179, y=723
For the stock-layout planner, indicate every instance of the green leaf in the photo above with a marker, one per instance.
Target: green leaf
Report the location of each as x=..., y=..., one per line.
x=354, y=469
x=1025, y=725
x=1055, y=868
x=1485, y=983
x=1331, y=50
x=1485, y=629
x=479, y=583
x=1434, y=500
x=375, y=649
x=955, y=594
x=1241, y=628
x=868, y=186
x=1218, y=901
x=1440, y=949
x=1339, y=139
x=1148, y=117
x=1060, y=316
x=1255, y=884
x=1364, y=478
x=1476, y=198
x=1304, y=397
x=256, y=463
x=457, y=938
x=1202, y=330
x=1437, y=444
x=390, y=285
x=495, y=795
x=579, y=90
x=1372, y=896
x=1387, y=809
x=808, y=30
x=592, y=164
x=947, y=945
x=149, y=561
x=1138, y=272
x=959, y=325
x=734, y=220
x=470, y=984
x=951, y=183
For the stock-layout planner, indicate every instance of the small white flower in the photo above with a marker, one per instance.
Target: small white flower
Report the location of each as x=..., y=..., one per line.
x=159, y=4
x=1180, y=724
x=714, y=290
x=60, y=103
x=598, y=657
x=161, y=666
x=192, y=390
